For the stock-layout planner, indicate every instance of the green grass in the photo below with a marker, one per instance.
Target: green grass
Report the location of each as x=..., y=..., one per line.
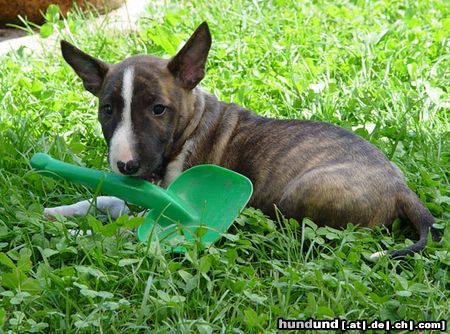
x=380, y=68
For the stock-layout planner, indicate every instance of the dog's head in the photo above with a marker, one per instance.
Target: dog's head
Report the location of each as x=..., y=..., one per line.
x=145, y=102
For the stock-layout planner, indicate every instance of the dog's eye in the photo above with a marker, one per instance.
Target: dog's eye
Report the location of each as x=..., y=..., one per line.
x=107, y=109
x=159, y=109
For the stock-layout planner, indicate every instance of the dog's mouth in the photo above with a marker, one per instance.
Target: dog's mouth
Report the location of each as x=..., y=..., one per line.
x=152, y=175
x=155, y=177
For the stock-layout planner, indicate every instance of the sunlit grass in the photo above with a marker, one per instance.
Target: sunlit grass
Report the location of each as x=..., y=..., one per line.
x=379, y=68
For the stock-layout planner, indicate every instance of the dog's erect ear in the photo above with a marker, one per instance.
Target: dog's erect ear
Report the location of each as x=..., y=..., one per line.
x=188, y=66
x=91, y=70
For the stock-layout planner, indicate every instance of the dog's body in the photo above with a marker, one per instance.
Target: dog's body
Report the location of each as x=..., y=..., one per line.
x=157, y=123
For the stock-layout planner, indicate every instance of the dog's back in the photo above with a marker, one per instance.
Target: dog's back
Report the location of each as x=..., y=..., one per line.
x=305, y=168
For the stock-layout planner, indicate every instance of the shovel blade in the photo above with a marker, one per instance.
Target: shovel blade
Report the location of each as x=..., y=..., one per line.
x=217, y=194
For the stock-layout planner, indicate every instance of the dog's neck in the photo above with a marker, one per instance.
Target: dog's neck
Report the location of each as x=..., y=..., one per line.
x=208, y=135
x=198, y=108
x=214, y=130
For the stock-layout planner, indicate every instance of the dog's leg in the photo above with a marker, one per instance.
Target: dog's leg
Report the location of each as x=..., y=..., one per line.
x=113, y=206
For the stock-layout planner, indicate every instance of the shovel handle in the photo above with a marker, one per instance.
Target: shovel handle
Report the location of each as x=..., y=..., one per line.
x=133, y=190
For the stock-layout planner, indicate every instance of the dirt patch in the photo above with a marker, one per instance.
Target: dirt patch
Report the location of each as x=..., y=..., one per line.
x=33, y=9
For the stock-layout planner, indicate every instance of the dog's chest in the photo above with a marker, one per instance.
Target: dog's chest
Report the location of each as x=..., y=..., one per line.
x=176, y=166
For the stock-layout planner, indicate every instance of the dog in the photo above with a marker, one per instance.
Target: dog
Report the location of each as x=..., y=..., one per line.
x=157, y=123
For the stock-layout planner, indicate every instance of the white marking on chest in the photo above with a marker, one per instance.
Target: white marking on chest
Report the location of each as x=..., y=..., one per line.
x=175, y=167
x=121, y=147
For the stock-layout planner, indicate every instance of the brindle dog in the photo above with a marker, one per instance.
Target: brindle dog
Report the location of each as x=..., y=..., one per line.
x=157, y=123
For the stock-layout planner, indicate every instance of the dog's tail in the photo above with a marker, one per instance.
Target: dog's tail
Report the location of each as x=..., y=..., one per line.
x=410, y=208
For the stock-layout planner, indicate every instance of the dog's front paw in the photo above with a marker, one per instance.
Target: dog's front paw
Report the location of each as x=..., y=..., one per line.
x=110, y=205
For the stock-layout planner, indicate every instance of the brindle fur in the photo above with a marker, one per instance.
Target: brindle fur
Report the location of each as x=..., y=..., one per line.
x=305, y=168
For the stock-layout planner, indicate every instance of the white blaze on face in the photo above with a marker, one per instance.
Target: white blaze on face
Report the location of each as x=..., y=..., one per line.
x=121, y=147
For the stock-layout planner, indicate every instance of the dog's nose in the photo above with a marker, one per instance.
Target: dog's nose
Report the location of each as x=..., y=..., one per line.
x=128, y=168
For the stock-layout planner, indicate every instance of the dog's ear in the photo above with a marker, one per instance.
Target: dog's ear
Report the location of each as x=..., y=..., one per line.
x=188, y=66
x=91, y=70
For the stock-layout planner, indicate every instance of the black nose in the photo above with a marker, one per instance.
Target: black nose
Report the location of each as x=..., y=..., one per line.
x=128, y=168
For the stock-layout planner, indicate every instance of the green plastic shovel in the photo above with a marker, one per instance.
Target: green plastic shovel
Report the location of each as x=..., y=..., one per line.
x=205, y=196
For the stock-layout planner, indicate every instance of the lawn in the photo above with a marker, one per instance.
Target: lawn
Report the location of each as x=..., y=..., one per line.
x=379, y=68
